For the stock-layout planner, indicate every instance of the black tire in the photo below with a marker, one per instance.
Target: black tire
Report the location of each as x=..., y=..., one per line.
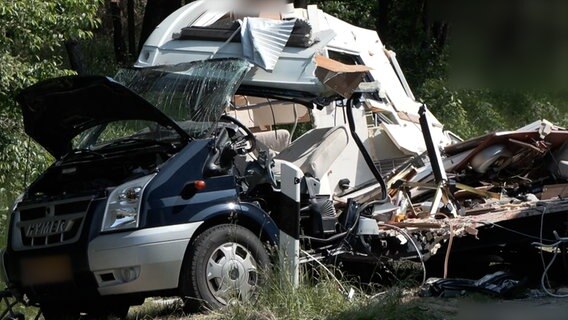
x=232, y=256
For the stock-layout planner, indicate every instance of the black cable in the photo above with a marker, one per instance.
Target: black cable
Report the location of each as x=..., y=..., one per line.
x=363, y=150
x=338, y=236
x=513, y=231
x=273, y=118
x=346, y=233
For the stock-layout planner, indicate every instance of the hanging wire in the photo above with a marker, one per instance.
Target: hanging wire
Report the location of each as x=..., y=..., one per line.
x=295, y=125
x=420, y=256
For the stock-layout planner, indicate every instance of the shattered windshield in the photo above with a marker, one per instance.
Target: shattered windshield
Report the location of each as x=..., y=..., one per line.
x=193, y=94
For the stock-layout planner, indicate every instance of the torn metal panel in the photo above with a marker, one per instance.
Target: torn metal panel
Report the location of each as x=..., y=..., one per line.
x=559, y=167
x=543, y=126
x=515, y=140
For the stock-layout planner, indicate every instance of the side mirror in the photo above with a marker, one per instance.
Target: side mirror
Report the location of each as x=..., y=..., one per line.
x=191, y=188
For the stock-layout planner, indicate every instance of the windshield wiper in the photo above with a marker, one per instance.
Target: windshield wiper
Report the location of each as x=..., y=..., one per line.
x=76, y=152
x=136, y=141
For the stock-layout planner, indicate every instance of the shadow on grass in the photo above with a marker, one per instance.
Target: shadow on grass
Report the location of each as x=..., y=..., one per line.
x=158, y=309
x=392, y=305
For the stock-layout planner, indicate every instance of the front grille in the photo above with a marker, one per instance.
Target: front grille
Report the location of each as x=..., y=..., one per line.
x=50, y=224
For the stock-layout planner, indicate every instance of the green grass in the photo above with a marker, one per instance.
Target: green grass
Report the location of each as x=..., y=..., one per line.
x=156, y=309
x=278, y=299
x=321, y=301
x=322, y=295
x=392, y=305
x=319, y=296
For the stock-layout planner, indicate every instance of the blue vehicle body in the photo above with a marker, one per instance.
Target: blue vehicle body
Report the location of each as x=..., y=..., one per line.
x=62, y=249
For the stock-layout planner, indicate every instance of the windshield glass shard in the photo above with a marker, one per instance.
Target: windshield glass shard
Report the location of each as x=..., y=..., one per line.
x=193, y=94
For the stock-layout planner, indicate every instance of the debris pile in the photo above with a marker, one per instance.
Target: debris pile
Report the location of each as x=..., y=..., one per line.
x=500, y=171
x=504, y=191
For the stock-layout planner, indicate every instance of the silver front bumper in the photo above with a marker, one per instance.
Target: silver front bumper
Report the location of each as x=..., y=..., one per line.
x=140, y=260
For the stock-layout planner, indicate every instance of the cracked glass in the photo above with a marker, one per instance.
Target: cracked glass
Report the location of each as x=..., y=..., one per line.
x=193, y=94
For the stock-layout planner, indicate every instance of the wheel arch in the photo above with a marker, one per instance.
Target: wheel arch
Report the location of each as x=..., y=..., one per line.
x=246, y=215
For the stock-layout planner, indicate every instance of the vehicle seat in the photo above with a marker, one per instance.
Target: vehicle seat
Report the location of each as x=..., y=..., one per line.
x=272, y=141
x=316, y=150
x=276, y=140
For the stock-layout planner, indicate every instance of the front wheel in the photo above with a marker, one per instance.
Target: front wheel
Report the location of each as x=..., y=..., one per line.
x=225, y=262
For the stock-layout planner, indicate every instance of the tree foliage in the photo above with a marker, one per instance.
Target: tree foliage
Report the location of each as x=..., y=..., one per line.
x=32, y=36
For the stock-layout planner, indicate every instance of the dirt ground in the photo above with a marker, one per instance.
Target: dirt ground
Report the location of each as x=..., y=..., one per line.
x=464, y=308
x=483, y=308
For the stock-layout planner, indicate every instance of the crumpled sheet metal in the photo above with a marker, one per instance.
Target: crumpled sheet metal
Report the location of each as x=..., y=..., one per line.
x=555, y=139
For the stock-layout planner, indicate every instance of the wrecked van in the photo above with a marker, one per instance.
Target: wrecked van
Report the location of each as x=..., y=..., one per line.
x=176, y=177
x=111, y=220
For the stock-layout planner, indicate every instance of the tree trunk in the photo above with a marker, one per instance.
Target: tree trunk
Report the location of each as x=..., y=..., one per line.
x=131, y=29
x=301, y=3
x=383, y=20
x=118, y=38
x=76, y=59
x=154, y=12
x=435, y=25
x=426, y=15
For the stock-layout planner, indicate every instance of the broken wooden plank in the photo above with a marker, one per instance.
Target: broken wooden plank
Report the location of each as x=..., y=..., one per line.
x=553, y=191
x=478, y=191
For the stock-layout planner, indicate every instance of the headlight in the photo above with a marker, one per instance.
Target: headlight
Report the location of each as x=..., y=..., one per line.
x=123, y=206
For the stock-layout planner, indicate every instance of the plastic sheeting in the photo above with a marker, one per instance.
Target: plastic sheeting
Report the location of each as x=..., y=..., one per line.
x=499, y=284
x=193, y=94
x=263, y=40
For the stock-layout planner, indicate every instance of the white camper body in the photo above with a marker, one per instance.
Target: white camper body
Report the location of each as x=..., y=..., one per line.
x=388, y=122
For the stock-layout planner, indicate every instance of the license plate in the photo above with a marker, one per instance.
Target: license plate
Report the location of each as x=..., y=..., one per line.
x=46, y=270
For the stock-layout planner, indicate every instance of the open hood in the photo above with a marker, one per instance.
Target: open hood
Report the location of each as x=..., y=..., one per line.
x=187, y=97
x=57, y=110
